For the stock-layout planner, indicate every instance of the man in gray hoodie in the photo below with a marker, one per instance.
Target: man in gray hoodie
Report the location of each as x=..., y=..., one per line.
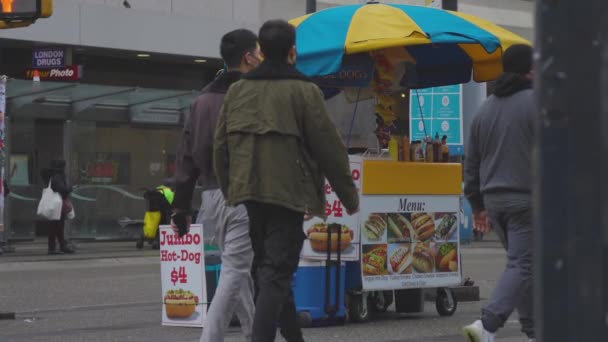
x=229, y=226
x=498, y=185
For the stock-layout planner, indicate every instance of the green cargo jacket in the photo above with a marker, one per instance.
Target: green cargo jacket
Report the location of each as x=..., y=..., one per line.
x=275, y=144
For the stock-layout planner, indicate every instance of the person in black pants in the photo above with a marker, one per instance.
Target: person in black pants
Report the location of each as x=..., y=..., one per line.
x=55, y=174
x=274, y=147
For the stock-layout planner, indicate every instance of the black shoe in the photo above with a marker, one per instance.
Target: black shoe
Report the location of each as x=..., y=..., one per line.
x=55, y=252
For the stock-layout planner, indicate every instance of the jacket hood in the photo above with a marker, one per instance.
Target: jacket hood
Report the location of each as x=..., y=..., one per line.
x=269, y=70
x=511, y=83
x=221, y=84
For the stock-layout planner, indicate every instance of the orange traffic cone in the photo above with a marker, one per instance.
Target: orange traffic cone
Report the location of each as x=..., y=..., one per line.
x=36, y=76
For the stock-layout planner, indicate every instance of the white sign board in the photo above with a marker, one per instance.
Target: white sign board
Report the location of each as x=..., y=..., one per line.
x=410, y=242
x=182, y=266
x=315, y=246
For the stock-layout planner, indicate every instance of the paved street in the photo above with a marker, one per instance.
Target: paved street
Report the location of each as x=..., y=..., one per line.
x=115, y=296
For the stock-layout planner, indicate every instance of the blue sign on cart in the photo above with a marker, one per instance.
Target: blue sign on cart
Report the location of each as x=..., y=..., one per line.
x=437, y=110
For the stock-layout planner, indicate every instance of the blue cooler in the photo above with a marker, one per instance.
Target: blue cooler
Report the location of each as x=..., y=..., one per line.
x=319, y=299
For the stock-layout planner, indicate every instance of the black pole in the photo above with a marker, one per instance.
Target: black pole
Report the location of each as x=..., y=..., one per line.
x=311, y=6
x=571, y=170
x=450, y=5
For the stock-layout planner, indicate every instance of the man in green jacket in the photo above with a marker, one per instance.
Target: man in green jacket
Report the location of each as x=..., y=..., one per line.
x=274, y=146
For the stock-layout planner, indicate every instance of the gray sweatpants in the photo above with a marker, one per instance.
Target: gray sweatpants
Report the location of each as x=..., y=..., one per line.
x=234, y=293
x=511, y=218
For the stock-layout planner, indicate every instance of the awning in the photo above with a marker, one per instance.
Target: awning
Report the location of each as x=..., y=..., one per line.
x=26, y=98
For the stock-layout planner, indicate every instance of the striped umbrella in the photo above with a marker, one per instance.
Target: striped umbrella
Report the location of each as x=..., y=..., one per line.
x=441, y=47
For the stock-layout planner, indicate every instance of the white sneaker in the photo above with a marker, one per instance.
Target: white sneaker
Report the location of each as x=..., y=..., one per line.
x=476, y=333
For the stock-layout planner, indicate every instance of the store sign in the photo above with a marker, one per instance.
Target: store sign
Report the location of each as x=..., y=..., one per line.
x=437, y=110
x=410, y=242
x=356, y=72
x=315, y=246
x=48, y=58
x=184, y=289
x=68, y=73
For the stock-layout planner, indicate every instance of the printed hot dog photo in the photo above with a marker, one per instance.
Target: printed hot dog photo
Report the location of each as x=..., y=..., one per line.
x=318, y=236
x=400, y=228
x=180, y=304
x=374, y=260
x=446, y=259
x=374, y=227
x=424, y=226
x=422, y=260
x=400, y=258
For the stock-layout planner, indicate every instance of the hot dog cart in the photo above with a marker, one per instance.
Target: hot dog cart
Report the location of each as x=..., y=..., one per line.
x=406, y=236
x=404, y=239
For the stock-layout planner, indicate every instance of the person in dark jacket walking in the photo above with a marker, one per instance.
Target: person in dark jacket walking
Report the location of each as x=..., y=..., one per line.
x=499, y=187
x=227, y=227
x=55, y=174
x=274, y=146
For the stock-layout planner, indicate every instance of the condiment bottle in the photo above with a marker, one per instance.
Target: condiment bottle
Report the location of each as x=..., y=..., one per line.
x=445, y=150
x=393, y=148
x=405, y=148
x=429, y=150
x=437, y=149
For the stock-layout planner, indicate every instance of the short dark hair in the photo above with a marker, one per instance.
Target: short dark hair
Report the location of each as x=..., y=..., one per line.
x=277, y=37
x=235, y=44
x=517, y=59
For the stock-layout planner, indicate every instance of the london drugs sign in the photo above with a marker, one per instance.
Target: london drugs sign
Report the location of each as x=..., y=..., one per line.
x=48, y=58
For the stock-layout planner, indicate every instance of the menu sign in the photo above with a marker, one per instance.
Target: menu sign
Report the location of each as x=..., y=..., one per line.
x=182, y=264
x=410, y=242
x=316, y=244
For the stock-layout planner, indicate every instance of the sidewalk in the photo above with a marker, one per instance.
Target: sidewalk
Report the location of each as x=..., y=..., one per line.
x=34, y=251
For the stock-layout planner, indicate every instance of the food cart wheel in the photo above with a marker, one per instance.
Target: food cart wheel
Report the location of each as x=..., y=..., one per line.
x=305, y=319
x=445, y=302
x=357, y=309
x=381, y=301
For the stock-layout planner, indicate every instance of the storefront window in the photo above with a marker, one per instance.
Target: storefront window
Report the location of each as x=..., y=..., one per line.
x=112, y=166
x=33, y=144
x=118, y=142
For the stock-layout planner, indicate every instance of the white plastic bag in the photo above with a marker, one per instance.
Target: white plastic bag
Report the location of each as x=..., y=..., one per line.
x=71, y=214
x=50, y=204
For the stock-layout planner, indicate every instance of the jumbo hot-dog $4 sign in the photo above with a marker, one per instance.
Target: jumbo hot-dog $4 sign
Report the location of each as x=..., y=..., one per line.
x=183, y=277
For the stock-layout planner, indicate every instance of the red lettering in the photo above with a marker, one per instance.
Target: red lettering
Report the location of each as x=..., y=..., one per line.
x=183, y=277
x=328, y=189
x=172, y=239
x=337, y=208
x=356, y=175
x=327, y=209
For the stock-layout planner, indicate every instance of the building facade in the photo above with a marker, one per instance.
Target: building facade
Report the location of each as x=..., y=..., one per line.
x=113, y=104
